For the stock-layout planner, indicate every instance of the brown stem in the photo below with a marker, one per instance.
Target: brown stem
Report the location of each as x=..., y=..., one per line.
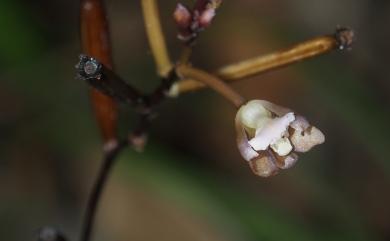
x=185, y=54
x=109, y=158
x=342, y=39
x=107, y=82
x=137, y=139
x=213, y=82
x=162, y=91
x=95, y=42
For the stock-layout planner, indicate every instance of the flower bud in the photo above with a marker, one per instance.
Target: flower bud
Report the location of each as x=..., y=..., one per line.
x=206, y=17
x=191, y=22
x=182, y=16
x=264, y=165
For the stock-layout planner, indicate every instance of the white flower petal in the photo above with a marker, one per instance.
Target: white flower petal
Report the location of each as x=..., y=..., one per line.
x=245, y=149
x=277, y=109
x=251, y=113
x=300, y=123
x=271, y=132
x=303, y=141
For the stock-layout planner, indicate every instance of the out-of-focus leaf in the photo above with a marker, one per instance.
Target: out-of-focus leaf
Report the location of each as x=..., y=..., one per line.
x=219, y=200
x=355, y=102
x=19, y=42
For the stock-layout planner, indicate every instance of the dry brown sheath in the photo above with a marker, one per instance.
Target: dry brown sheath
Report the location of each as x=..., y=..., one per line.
x=95, y=42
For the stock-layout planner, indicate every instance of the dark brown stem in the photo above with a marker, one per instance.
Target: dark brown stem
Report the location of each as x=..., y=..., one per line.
x=108, y=161
x=162, y=91
x=107, y=82
x=137, y=139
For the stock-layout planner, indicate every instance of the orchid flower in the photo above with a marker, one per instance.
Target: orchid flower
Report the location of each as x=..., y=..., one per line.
x=268, y=136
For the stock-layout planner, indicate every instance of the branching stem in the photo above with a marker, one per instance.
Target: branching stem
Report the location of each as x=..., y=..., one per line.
x=213, y=82
x=259, y=65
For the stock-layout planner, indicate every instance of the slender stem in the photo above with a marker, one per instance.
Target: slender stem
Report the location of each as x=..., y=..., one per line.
x=162, y=91
x=278, y=59
x=185, y=54
x=104, y=80
x=259, y=65
x=95, y=41
x=93, y=200
x=156, y=37
x=213, y=82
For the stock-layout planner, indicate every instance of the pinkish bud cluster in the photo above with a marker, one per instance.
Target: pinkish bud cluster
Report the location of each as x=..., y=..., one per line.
x=192, y=21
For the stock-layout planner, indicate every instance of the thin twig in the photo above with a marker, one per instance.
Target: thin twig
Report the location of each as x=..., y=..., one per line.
x=342, y=39
x=108, y=161
x=102, y=79
x=213, y=82
x=156, y=37
x=162, y=91
x=185, y=54
x=107, y=82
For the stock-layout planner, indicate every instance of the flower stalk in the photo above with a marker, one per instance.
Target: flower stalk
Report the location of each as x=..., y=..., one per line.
x=156, y=37
x=185, y=71
x=341, y=39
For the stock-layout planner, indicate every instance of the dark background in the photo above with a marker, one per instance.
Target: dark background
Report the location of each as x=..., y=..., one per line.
x=191, y=183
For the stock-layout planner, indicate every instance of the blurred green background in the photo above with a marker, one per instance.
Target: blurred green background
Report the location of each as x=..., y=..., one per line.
x=191, y=183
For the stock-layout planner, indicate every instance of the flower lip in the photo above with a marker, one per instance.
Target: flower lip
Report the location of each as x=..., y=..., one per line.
x=272, y=132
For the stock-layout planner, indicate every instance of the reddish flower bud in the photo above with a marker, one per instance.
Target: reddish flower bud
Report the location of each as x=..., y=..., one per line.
x=182, y=16
x=206, y=17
